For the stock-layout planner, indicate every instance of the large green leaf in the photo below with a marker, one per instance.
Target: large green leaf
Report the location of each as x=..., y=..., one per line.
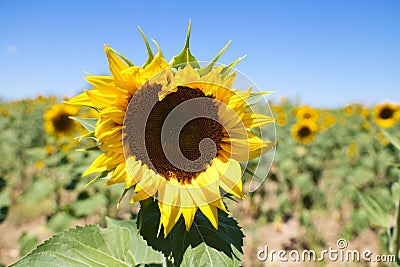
x=203, y=245
x=377, y=214
x=92, y=246
x=141, y=251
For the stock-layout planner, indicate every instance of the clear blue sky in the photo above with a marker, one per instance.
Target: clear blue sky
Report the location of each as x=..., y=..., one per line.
x=327, y=53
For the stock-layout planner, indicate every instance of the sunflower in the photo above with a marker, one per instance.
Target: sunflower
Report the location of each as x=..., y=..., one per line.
x=57, y=122
x=304, y=131
x=328, y=121
x=386, y=115
x=307, y=113
x=173, y=131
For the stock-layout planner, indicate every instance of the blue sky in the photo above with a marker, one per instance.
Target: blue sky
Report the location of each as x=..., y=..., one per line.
x=326, y=53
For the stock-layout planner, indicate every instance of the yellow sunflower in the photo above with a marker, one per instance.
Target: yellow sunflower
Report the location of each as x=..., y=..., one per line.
x=173, y=132
x=386, y=115
x=307, y=113
x=304, y=131
x=57, y=122
x=328, y=121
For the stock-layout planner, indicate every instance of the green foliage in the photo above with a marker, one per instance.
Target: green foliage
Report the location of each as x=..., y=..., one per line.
x=91, y=245
x=377, y=214
x=88, y=123
x=203, y=245
x=59, y=222
x=27, y=242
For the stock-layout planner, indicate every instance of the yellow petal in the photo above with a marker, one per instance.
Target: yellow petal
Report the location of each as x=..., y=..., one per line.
x=188, y=215
x=97, y=165
x=169, y=216
x=134, y=171
x=231, y=173
x=81, y=100
x=118, y=176
x=100, y=100
x=139, y=196
x=106, y=85
x=252, y=120
x=117, y=114
x=116, y=65
x=211, y=213
x=220, y=204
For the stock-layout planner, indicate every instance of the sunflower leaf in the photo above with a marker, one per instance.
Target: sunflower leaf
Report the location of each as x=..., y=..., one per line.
x=117, y=245
x=203, y=245
x=377, y=213
x=392, y=139
x=140, y=250
x=185, y=56
x=88, y=123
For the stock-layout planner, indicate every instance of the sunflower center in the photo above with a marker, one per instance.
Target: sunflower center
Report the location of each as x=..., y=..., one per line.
x=62, y=122
x=173, y=136
x=304, y=132
x=386, y=113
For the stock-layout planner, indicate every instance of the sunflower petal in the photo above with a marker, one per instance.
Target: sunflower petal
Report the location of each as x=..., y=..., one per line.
x=116, y=65
x=211, y=213
x=80, y=100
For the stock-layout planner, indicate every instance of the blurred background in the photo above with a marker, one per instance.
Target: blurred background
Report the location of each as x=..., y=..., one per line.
x=333, y=64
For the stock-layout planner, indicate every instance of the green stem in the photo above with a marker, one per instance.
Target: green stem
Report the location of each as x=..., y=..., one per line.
x=395, y=244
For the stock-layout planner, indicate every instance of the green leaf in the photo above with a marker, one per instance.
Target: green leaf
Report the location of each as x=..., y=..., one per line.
x=88, y=205
x=392, y=139
x=27, y=242
x=395, y=189
x=140, y=250
x=39, y=190
x=59, y=222
x=88, y=123
x=377, y=214
x=203, y=245
x=83, y=246
x=185, y=56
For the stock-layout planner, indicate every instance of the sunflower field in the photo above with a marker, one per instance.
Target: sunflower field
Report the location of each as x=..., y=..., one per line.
x=175, y=163
x=335, y=174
